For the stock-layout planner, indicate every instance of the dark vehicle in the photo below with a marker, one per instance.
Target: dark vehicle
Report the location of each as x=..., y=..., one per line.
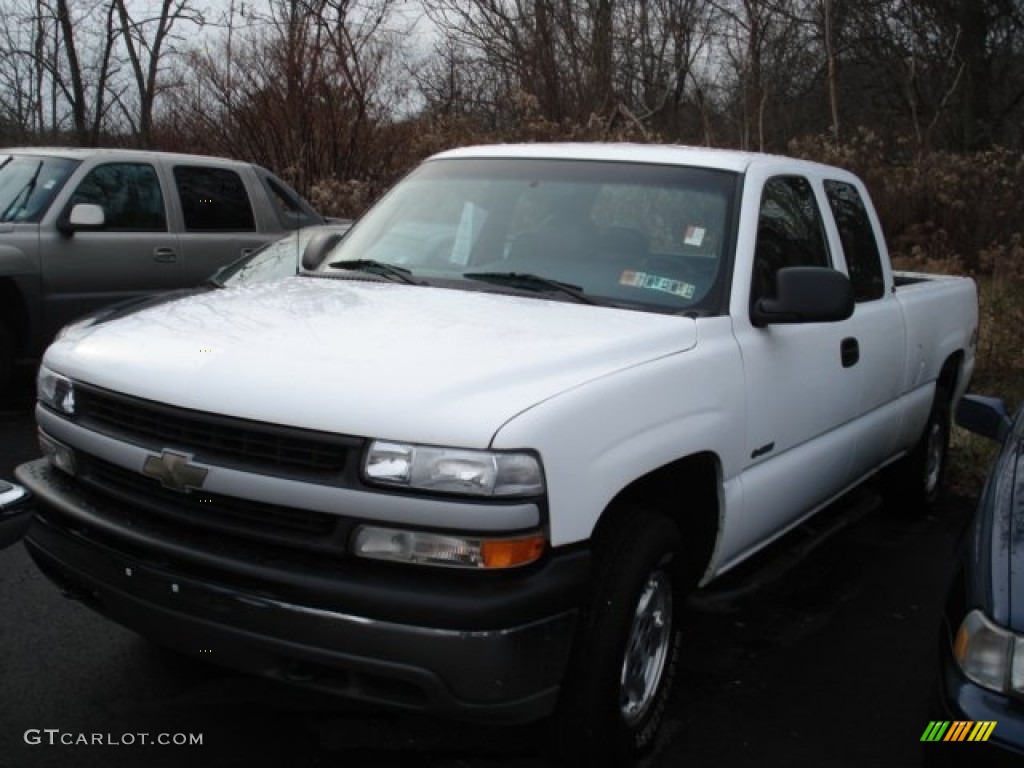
x=15, y=512
x=981, y=645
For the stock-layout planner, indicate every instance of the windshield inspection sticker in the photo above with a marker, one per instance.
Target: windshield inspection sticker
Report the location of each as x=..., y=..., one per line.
x=694, y=236
x=655, y=283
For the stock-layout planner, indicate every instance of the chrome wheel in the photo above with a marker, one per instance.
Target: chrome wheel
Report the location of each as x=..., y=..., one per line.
x=647, y=647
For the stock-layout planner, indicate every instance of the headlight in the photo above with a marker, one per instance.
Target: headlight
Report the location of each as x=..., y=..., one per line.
x=56, y=391
x=989, y=655
x=426, y=548
x=452, y=470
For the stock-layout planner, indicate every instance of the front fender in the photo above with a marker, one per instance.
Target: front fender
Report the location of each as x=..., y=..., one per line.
x=597, y=439
x=14, y=262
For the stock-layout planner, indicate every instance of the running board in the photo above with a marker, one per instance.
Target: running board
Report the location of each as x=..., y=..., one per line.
x=781, y=557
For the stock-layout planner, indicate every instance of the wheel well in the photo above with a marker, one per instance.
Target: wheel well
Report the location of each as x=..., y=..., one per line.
x=686, y=491
x=13, y=314
x=949, y=374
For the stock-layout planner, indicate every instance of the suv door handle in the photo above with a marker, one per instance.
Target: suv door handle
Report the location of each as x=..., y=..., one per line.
x=849, y=352
x=164, y=255
x=247, y=251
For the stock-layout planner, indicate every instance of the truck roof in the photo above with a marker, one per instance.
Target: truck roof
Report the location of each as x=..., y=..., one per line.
x=661, y=154
x=83, y=153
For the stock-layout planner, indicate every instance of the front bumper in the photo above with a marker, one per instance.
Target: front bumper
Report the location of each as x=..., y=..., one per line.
x=487, y=647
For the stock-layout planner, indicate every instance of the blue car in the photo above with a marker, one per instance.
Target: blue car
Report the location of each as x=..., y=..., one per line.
x=981, y=644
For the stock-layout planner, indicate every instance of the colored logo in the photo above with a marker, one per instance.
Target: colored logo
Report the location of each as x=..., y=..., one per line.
x=958, y=730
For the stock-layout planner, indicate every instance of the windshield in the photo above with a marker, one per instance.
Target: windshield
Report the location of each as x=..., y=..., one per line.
x=649, y=236
x=28, y=184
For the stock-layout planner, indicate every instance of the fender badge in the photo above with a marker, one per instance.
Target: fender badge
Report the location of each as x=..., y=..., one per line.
x=175, y=471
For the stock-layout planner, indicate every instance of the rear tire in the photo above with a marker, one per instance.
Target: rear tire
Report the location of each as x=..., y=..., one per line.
x=914, y=483
x=627, y=646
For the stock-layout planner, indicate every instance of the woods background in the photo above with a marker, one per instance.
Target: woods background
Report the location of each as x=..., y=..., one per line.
x=923, y=98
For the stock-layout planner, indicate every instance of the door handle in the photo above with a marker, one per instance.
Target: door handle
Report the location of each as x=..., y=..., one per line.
x=164, y=255
x=849, y=352
x=247, y=251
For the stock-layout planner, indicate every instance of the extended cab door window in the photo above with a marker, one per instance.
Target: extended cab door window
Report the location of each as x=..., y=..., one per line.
x=790, y=233
x=860, y=247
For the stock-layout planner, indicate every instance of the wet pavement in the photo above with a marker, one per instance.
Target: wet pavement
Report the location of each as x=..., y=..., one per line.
x=827, y=663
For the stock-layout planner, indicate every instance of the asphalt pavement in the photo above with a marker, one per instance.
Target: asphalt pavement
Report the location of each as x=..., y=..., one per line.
x=827, y=663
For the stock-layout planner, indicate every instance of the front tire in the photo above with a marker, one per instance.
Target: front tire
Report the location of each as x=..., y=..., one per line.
x=627, y=646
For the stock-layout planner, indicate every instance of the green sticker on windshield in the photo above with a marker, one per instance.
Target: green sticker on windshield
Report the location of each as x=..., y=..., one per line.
x=657, y=283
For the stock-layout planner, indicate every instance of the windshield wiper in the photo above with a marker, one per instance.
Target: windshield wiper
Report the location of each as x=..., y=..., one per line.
x=21, y=199
x=370, y=266
x=531, y=282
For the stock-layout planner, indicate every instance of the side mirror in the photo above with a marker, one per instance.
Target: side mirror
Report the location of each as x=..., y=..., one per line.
x=318, y=247
x=806, y=295
x=985, y=416
x=84, y=217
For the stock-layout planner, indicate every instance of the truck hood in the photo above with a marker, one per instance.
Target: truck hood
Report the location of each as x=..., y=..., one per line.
x=413, y=363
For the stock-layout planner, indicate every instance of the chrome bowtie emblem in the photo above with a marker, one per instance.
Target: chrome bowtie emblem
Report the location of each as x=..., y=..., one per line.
x=174, y=471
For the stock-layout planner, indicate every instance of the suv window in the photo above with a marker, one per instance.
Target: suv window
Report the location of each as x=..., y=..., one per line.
x=213, y=200
x=292, y=211
x=129, y=194
x=858, y=239
x=789, y=233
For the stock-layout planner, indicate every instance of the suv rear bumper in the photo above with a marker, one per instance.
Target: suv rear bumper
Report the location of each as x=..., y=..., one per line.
x=492, y=672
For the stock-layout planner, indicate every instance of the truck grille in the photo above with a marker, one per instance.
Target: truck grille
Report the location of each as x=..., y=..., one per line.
x=250, y=519
x=225, y=440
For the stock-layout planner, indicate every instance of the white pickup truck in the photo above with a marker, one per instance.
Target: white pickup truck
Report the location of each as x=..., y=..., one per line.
x=472, y=460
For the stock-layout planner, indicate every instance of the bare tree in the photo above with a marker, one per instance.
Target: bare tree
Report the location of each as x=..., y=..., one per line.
x=571, y=61
x=302, y=86
x=144, y=39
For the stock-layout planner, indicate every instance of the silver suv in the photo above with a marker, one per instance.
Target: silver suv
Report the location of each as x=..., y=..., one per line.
x=80, y=228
